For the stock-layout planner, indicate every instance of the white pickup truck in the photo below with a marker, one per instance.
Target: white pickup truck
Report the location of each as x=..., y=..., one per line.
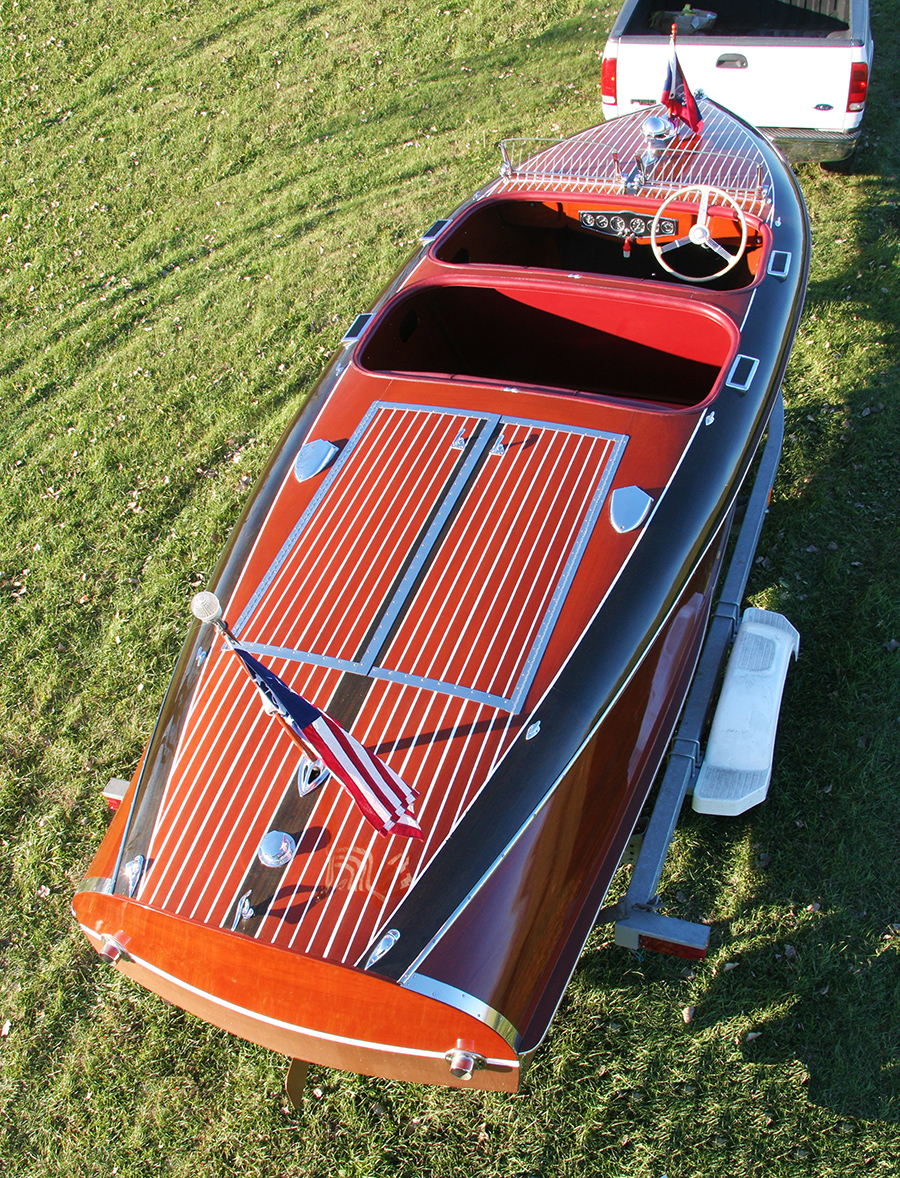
x=797, y=69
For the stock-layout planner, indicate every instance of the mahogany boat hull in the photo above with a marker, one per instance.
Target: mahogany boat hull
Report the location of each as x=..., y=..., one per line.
x=497, y=575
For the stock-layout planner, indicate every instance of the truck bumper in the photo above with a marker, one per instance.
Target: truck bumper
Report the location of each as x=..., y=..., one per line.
x=804, y=145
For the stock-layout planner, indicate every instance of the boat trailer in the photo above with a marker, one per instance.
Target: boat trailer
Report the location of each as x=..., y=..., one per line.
x=729, y=770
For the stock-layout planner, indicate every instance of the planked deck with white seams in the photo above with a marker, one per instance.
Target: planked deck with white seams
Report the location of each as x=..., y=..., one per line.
x=469, y=529
x=446, y=605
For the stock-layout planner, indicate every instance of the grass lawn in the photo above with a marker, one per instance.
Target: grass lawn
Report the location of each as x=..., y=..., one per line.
x=196, y=197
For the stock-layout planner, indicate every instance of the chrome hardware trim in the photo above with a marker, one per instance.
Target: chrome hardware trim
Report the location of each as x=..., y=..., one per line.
x=276, y=849
x=463, y=1002
x=623, y=223
x=356, y=328
x=464, y=1062
x=310, y=775
x=628, y=508
x=710, y=417
x=243, y=911
x=133, y=870
x=780, y=268
x=201, y=657
x=436, y=229
x=459, y=442
x=96, y=883
x=313, y=458
x=658, y=134
x=532, y=730
x=498, y=449
x=113, y=947
x=731, y=61
x=740, y=375
x=387, y=942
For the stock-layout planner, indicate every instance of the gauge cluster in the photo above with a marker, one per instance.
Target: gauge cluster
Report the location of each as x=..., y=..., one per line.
x=626, y=223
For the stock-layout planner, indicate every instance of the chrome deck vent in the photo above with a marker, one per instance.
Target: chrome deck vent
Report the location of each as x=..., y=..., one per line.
x=628, y=508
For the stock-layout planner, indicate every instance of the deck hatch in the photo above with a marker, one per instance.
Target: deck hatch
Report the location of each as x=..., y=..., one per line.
x=459, y=589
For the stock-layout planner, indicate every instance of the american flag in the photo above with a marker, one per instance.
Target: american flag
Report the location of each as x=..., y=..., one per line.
x=676, y=95
x=384, y=798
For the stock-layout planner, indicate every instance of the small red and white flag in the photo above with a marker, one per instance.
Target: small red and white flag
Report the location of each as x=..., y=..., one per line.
x=384, y=798
x=676, y=95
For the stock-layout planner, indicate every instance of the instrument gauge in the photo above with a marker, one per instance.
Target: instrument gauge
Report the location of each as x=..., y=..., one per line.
x=618, y=225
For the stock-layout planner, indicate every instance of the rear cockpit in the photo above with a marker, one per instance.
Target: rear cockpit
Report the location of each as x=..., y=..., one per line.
x=572, y=338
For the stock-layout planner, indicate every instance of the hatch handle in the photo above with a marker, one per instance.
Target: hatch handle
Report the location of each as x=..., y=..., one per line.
x=731, y=61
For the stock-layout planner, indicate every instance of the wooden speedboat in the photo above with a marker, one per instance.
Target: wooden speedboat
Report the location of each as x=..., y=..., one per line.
x=487, y=549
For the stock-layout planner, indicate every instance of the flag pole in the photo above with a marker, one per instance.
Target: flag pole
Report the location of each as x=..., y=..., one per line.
x=676, y=123
x=384, y=798
x=207, y=609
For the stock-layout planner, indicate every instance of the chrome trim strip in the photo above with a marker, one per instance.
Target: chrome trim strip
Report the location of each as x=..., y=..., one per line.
x=360, y=668
x=747, y=312
x=464, y=1002
x=95, y=883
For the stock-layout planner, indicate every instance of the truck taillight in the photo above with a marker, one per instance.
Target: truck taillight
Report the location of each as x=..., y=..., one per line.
x=859, y=84
x=608, y=80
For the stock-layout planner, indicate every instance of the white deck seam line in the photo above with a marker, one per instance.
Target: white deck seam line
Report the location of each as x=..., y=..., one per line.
x=402, y=483
x=346, y=499
x=502, y=555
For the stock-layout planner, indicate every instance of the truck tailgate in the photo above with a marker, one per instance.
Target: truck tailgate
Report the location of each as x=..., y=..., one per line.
x=769, y=85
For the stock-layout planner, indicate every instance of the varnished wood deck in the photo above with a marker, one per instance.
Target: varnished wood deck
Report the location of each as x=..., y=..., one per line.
x=446, y=606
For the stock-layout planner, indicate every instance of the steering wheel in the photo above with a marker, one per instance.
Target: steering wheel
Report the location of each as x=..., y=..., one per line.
x=699, y=233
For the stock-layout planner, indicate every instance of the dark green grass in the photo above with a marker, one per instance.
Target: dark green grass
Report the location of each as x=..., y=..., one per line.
x=195, y=199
